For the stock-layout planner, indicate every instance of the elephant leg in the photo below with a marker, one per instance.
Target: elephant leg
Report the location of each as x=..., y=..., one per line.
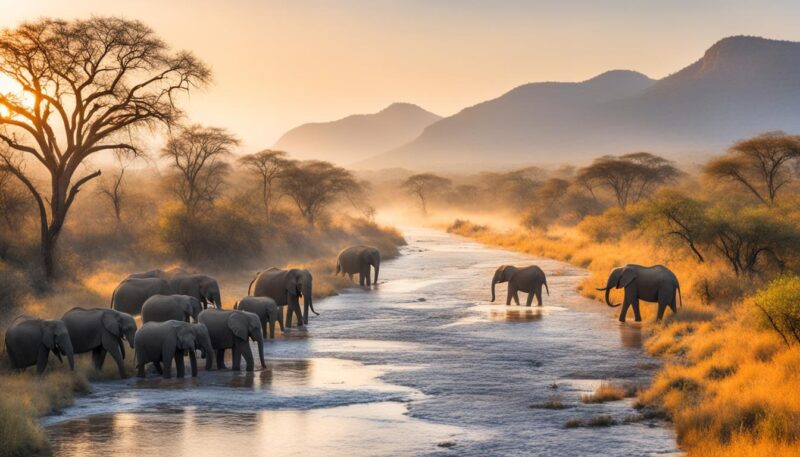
x=166, y=358
x=280, y=318
x=140, y=370
x=193, y=363
x=289, y=313
x=271, y=329
x=635, y=305
x=180, y=368
x=305, y=314
x=538, y=296
x=369, y=280
x=624, y=311
x=361, y=279
x=159, y=369
x=117, y=356
x=247, y=352
x=98, y=357
x=237, y=356
x=508, y=297
x=516, y=297
x=220, y=359
x=41, y=360
x=530, y=299
x=661, y=307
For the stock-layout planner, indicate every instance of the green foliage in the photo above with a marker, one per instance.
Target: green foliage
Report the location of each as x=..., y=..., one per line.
x=780, y=306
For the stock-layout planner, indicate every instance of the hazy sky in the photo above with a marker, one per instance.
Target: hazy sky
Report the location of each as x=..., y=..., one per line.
x=278, y=64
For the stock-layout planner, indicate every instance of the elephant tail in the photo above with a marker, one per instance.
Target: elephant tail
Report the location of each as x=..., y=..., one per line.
x=546, y=288
x=679, y=295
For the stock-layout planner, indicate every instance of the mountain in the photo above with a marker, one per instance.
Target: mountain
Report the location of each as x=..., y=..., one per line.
x=740, y=87
x=357, y=137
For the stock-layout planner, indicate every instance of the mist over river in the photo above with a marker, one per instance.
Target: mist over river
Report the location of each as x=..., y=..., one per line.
x=421, y=365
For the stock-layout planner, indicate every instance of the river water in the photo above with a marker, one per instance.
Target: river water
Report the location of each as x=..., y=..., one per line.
x=421, y=365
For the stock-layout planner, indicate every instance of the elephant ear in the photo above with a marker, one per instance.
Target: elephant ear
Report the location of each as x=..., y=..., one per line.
x=48, y=335
x=111, y=323
x=239, y=324
x=628, y=276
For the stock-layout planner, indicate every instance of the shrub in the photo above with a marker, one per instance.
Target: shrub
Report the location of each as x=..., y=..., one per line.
x=780, y=306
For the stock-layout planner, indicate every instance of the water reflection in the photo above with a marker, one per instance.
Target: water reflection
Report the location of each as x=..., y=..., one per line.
x=630, y=335
x=516, y=314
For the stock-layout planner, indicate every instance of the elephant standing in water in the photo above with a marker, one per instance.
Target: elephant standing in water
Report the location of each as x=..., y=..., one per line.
x=267, y=310
x=30, y=340
x=101, y=331
x=131, y=293
x=203, y=287
x=358, y=260
x=286, y=287
x=159, y=342
x=160, y=308
x=527, y=279
x=232, y=329
x=652, y=284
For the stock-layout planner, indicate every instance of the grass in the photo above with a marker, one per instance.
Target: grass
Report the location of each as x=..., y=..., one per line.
x=553, y=403
x=606, y=392
x=728, y=383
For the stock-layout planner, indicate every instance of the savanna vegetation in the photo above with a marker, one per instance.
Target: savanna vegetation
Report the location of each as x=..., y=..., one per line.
x=729, y=229
x=83, y=203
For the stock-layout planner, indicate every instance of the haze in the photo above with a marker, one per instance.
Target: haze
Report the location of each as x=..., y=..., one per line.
x=281, y=64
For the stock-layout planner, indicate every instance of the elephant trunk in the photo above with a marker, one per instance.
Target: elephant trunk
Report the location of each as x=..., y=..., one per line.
x=260, y=342
x=308, y=301
x=608, y=302
x=217, y=297
x=377, y=270
x=494, y=282
x=65, y=346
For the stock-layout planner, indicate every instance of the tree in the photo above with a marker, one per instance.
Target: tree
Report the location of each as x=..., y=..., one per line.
x=267, y=166
x=424, y=186
x=197, y=156
x=761, y=164
x=115, y=192
x=672, y=214
x=314, y=185
x=630, y=177
x=85, y=86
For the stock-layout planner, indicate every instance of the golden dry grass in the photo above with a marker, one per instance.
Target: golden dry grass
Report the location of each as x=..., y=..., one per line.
x=605, y=392
x=729, y=384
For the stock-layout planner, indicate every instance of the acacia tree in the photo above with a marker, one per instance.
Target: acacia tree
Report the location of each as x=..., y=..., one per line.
x=85, y=87
x=424, y=186
x=314, y=185
x=267, y=166
x=674, y=215
x=197, y=157
x=630, y=176
x=761, y=164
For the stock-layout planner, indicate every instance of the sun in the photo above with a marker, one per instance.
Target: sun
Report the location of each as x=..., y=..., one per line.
x=12, y=89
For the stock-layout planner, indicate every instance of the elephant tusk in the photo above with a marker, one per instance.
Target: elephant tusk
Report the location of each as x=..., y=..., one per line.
x=601, y=289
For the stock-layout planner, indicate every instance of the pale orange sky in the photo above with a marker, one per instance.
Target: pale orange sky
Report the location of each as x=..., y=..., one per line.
x=279, y=64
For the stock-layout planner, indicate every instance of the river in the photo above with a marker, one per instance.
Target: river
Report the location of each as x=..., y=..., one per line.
x=421, y=365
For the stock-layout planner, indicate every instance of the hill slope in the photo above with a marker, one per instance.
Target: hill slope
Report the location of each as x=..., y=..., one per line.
x=359, y=136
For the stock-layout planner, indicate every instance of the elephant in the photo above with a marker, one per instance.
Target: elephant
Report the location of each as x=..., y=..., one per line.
x=527, y=279
x=161, y=342
x=203, y=287
x=652, y=284
x=160, y=308
x=358, y=260
x=130, y=294
x=285, y=287
x=232, y=329
x=267, y=311
x=29, y=341
x=100, y=331
x=158, y=273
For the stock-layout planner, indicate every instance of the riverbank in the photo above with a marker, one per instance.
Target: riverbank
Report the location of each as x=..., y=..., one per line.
x=26, y=397
x=423, y=364
x=728, y=384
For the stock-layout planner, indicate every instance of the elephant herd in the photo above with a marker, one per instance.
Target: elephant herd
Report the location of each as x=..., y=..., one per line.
x=652, y=284
x=181, y=312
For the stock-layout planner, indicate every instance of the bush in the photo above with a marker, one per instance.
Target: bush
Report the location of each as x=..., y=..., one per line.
x=611, y=225
x=780, y=306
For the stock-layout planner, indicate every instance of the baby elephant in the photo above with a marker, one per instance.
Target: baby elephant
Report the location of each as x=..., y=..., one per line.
x=30, y=340
x=267, y=311
x=100, y=331
x=232, y=329
x=159, y=342
x=527, y=279
x=162, y=308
